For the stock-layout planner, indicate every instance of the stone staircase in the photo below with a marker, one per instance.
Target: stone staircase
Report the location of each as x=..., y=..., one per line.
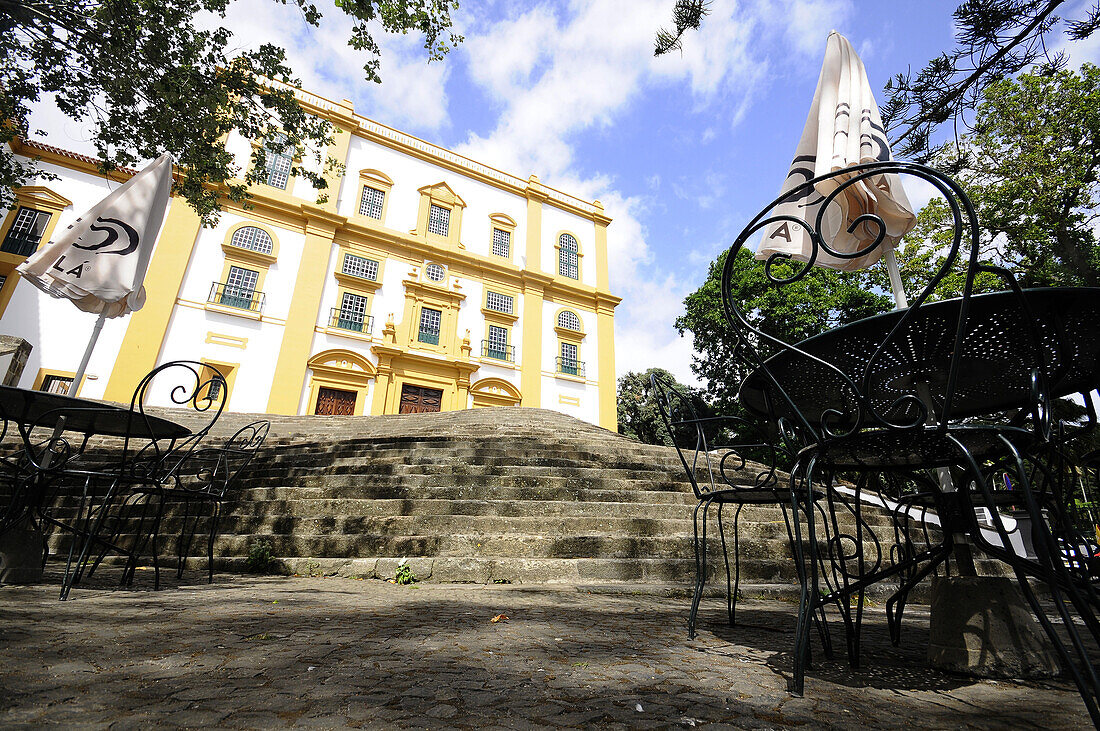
x=509, y=495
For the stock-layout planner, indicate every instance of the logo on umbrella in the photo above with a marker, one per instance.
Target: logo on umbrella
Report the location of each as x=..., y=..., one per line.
x=103, y=246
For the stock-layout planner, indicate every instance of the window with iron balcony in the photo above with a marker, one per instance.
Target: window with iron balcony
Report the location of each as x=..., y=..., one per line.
x=430, y=321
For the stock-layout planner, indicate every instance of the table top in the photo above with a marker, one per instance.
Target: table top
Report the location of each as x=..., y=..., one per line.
x=994, y=367
x=41, y=408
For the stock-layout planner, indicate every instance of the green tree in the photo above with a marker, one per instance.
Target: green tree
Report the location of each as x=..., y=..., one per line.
x=639, y=415
x=821, y=300
x=1032, y=170
x=152, y=81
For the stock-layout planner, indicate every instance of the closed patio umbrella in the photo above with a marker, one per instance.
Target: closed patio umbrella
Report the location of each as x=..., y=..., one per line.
x=99, y=262
x=843, y=129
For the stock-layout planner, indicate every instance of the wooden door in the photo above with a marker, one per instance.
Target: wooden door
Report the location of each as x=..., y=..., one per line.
x=420, y=400
x=334, y=402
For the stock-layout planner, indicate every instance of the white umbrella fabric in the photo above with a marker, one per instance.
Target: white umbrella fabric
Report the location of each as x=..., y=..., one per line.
x=99, y=262
x=843, y=129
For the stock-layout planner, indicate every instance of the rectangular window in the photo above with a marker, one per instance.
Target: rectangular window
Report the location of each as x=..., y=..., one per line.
x=56, y=384
x=498, y=343
x=498, y=302
x=429, y=326
x=353, y=312
x=502, y=243
x=439, y=220
x=358, y=266
x=569, y=358
x=370, y=205
x=240, y=288
x=278, y=165
x=26, y=232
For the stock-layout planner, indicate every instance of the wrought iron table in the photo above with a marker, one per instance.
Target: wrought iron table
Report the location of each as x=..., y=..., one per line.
x=995, y=352
x=30, y=467
x=894, y=368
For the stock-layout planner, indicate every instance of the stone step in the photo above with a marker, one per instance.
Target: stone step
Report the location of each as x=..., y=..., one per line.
x=443, y=525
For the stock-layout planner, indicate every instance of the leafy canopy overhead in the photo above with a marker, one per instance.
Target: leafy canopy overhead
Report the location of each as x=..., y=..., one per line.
x=1032, y=170
x=151, y=79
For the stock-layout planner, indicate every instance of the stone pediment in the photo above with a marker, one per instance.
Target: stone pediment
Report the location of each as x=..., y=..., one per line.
x=443, y=193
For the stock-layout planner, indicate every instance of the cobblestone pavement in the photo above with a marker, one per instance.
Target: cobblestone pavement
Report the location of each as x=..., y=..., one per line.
x=251, y=652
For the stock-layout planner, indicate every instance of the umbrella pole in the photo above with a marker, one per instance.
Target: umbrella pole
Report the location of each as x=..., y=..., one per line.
x=88, y=353
x=895, y=280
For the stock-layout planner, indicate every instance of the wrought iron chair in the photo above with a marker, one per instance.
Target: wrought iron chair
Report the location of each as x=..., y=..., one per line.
x=148, y=451
x=961, y=385
x=715, y=453
x=201, y=480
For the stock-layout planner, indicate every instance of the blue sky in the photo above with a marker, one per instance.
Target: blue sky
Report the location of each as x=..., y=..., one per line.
x=682, y=150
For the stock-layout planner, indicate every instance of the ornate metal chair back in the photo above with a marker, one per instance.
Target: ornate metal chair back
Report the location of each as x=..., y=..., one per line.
x=714, y=450
x=815, y=395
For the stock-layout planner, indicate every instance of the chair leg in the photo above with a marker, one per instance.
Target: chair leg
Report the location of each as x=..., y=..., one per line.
x=735, y=594
x=700, y=563
x=215, y=514
x=810, y=583
x=730, y=600
x=898, y=598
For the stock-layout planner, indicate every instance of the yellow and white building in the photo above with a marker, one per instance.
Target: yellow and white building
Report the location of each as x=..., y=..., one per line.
x=426, y=282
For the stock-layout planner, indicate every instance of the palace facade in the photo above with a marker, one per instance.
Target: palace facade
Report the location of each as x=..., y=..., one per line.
x=426, y=282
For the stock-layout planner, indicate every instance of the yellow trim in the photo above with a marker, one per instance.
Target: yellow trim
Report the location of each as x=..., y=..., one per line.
x=148, y=326
x=353, y=282
x=443, y=196
x=504, y=223
x=494, y=392
x=342, y=370
x=229, y=341
x=603, y=281
x=605, y=353
x=557, y=256
x=531, y=374
x=43, y=373
x=228, y=371
x=298, y=333
x=535, y=197
x=370, y=178
x=569, y=400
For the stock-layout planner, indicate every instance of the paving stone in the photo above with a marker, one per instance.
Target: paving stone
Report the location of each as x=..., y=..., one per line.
x=428, y=657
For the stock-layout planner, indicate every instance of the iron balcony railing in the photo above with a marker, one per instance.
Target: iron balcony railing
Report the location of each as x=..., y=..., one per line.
x=353, y=321
x=428, y=335
x=19, y=245
x=232, y=295
x=498, y=351
x=570, y=366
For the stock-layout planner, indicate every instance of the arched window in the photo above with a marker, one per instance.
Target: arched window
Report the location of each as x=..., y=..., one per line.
x=569, y=320
x=568, y=262
x=253, y=239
